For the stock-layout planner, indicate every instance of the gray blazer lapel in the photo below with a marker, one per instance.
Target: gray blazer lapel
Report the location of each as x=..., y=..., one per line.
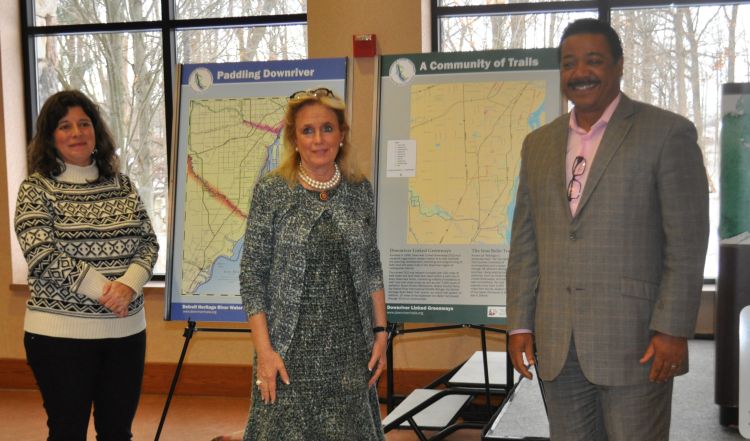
x=614, y=135
x=557, y=153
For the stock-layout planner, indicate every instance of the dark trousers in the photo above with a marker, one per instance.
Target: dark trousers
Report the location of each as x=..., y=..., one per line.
x=579, y=410
x=74, y=374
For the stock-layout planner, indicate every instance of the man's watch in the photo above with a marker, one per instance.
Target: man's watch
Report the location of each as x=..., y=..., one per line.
x=377, y=329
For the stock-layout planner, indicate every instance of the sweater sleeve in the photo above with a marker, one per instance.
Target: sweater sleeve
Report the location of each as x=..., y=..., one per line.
x=35, y=231
x=147, y=251
x=135, y=277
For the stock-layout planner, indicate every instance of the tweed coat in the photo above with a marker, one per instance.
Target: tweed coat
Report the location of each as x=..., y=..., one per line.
x=631, y=260
x=273, y=258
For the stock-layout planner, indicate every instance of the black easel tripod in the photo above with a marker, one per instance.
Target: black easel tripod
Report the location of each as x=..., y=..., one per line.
x=188, y=334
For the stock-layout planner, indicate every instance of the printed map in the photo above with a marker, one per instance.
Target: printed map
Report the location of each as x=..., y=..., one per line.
x=231, y=142
x=468, y=139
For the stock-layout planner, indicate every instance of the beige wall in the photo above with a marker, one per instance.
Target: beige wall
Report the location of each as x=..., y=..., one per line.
x=400, y=27
x=11, y=134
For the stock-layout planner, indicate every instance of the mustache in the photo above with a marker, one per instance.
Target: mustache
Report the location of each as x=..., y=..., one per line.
x=583, y=81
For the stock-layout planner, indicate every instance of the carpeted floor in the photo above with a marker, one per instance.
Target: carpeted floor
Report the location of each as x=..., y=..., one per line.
x=695, y=417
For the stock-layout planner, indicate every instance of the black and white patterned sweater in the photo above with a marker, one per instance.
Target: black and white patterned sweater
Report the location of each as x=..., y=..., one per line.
x=76, y=235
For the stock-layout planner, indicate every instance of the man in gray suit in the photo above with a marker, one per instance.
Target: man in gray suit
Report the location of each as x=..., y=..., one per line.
x=609, y=240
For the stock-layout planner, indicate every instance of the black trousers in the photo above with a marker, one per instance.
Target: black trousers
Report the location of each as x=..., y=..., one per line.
x=74, y=374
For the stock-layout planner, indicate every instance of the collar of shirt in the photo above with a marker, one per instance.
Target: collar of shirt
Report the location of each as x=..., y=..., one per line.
x=583, y=143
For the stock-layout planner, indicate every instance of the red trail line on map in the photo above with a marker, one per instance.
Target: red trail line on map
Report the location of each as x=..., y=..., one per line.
x=213, y=191
x=265, y=127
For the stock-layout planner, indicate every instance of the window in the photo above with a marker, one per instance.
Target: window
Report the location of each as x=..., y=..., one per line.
x=677, y=58
x=122, y=53
x=677, y=55
x=473, y=33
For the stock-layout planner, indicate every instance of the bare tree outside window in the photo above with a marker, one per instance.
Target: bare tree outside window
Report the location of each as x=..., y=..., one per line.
x=242, y=44
x=476, y=33
x=237, y=8
x=73, y=12
x=491, y=2
x=677, y=58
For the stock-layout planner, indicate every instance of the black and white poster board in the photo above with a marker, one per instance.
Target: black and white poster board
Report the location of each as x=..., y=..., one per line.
x=229, y=133
x=449, y=141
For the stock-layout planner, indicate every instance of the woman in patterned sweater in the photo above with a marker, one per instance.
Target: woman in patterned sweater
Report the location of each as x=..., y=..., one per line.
x=311, y=284
x=90, y=249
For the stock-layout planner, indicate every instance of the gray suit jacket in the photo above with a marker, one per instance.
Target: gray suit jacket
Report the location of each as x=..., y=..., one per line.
x=629, y=263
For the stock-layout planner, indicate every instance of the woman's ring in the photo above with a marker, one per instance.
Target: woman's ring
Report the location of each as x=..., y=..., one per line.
x=258, y=383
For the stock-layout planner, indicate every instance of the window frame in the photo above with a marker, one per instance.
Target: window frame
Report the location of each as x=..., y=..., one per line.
x=604, y=7
x=167, y=26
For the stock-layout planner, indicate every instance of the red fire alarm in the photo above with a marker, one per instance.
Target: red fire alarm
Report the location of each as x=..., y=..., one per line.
x=364, y=45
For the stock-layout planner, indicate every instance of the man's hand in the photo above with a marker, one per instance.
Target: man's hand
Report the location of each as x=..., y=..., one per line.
x=518, y=345
x=668, y=354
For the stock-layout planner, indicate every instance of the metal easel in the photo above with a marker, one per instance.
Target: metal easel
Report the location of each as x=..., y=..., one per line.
x=188, y=334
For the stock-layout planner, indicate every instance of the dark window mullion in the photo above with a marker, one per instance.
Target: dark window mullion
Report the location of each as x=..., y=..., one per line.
x=616, y=4
x=138, y=26
x=29, y=64
x=169, y=61
x=515, y=8
x=230, y=22
x=94, y=28
x=603, y=6
x=435, y=28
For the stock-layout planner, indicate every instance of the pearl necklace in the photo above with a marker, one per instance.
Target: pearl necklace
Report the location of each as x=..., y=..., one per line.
x=319, y=185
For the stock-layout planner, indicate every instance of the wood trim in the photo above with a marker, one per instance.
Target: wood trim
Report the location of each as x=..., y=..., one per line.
x=206, y=379
x=16, y=374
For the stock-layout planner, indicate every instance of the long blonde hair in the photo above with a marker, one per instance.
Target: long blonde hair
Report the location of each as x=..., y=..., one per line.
x=290, y=158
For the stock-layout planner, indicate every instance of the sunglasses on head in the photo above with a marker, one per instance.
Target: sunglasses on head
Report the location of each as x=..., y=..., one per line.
x=320, y=92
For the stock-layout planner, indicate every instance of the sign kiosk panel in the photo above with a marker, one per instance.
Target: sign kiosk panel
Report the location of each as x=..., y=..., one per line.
x=229, y=134
x=450, y=132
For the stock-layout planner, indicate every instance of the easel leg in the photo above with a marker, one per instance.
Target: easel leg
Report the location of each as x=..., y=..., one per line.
x=188, y=334
x=509, y=375
x=389, y=366
x=486, y=372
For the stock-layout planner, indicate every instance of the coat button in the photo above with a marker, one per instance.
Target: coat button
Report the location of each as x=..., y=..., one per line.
x=572, y=236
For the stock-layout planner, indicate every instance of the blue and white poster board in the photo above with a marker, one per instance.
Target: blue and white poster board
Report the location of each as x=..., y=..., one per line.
x=230, y=119
x=450, y=132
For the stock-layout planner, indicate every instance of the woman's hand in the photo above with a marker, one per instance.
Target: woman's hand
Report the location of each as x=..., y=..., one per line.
x=116, y=297
x=378, y=357
x=269, y=364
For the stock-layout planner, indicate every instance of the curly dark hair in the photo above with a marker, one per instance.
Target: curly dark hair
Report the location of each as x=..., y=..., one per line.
x=41, y=154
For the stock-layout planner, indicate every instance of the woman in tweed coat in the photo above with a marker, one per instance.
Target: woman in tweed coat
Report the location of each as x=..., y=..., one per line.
x=311, y=284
